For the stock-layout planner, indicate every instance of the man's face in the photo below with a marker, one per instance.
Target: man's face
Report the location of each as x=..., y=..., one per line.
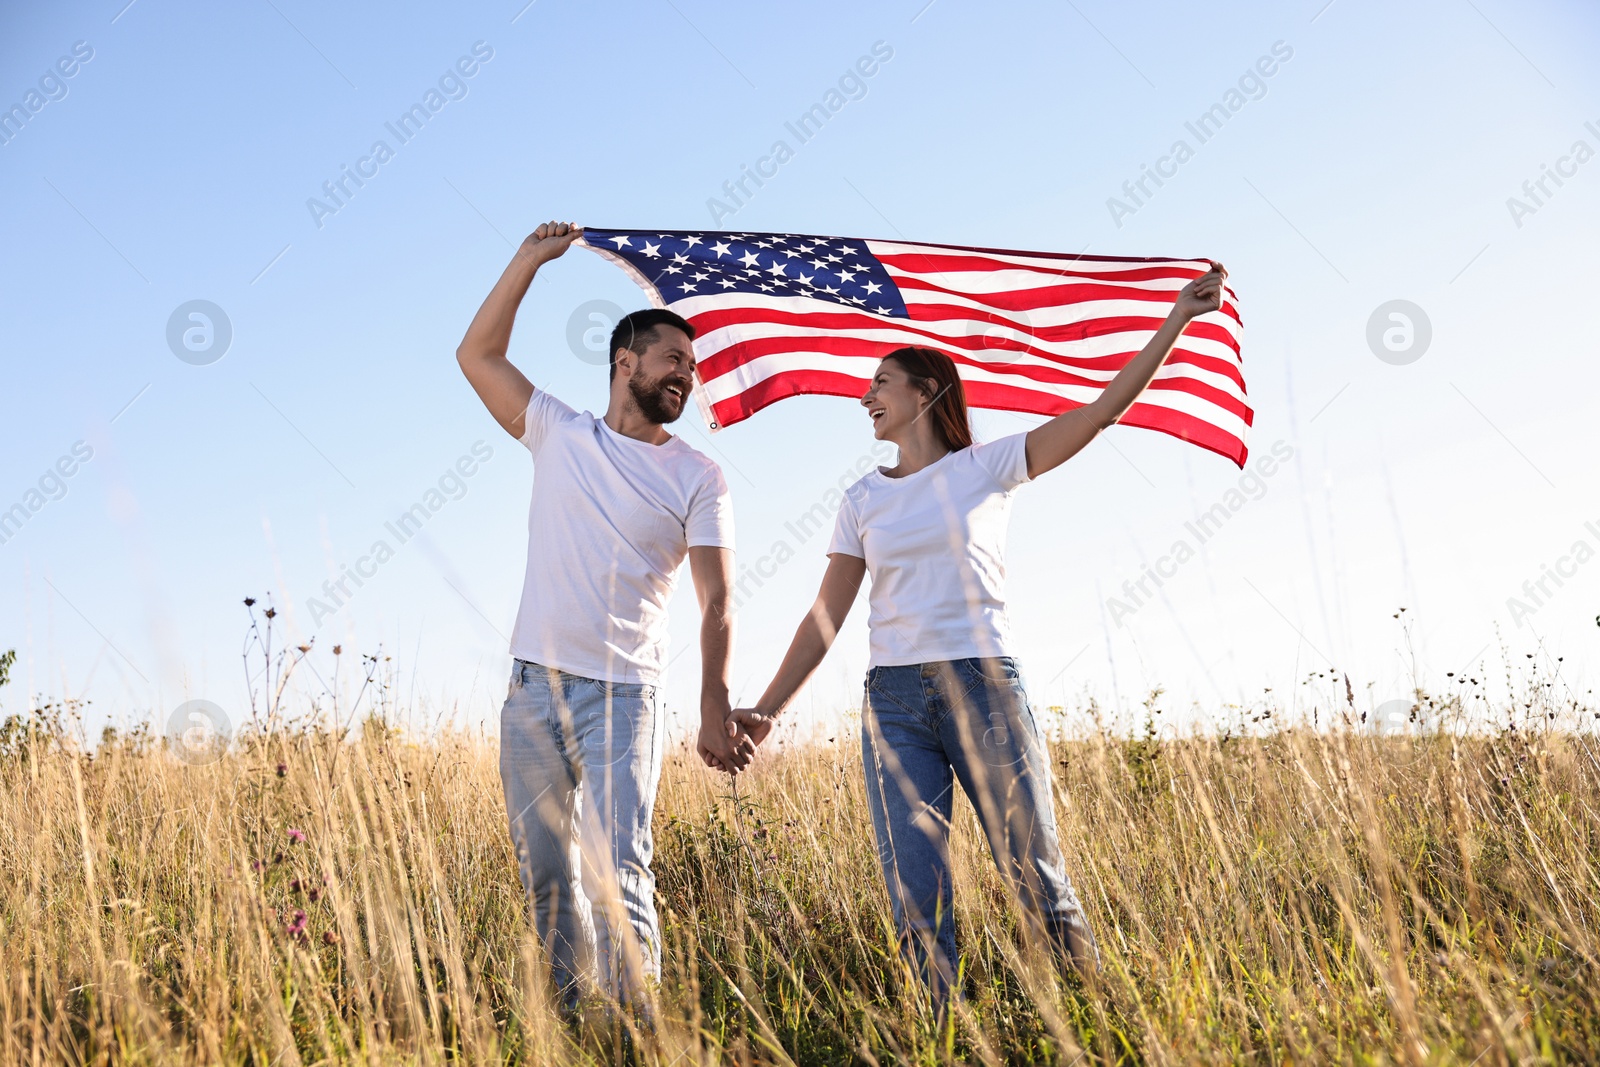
x=663, y=375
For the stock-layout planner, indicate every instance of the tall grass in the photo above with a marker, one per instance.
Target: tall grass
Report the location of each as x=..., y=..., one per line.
x=1301, y=895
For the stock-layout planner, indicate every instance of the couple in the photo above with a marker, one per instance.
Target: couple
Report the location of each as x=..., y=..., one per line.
x=618, y=503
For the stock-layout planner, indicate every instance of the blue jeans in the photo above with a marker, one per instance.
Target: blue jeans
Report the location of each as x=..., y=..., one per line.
x=924, y=727
x=580, y=761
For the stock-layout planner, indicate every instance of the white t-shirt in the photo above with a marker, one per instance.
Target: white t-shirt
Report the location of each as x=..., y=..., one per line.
x=609, y=525
x=934, y=542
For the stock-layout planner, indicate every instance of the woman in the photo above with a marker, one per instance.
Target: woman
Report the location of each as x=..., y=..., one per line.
x=944, y=699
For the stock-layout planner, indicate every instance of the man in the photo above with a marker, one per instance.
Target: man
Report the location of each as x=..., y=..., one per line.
x=617, y=504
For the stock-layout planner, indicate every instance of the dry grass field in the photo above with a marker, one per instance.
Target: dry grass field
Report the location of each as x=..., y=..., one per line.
x=1283, y=896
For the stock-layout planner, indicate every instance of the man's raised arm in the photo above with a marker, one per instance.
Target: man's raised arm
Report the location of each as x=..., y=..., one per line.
x=504, y=390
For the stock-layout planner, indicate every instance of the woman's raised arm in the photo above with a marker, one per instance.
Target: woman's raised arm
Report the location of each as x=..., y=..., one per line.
x=1064, y=436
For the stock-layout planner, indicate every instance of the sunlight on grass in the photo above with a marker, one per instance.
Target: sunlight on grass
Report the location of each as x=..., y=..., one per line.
x=1297, y=896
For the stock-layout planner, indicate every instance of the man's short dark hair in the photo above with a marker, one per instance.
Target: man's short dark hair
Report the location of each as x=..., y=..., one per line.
x=637, y=331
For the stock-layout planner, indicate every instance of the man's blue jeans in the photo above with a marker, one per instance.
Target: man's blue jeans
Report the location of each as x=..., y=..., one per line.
x=580, y=761
x=924, y=727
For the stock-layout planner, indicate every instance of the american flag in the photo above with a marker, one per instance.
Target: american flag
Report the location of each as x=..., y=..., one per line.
x=781, y=314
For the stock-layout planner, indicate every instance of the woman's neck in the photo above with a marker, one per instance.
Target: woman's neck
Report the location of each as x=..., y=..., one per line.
x=920, y=448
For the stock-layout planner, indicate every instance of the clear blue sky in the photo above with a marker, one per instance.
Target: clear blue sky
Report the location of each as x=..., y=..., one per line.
x=1374, y=164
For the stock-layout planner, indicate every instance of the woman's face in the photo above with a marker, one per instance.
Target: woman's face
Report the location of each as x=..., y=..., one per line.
x=893, y=401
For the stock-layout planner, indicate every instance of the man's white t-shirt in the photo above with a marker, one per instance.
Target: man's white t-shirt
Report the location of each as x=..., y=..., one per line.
x=609, y=525
x=935, y=542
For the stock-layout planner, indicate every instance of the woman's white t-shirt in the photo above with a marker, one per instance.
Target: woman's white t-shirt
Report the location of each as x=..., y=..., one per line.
x=934, y=542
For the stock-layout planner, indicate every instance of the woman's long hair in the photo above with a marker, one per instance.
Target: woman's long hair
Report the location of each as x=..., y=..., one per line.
x=934, y=373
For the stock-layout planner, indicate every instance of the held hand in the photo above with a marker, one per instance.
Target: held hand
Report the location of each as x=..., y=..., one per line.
x=723, y=748
x=1202, y=295
x=754, y=724
x=550, y=241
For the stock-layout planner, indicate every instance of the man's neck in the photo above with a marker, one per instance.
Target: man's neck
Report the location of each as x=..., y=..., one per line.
x=629, y=421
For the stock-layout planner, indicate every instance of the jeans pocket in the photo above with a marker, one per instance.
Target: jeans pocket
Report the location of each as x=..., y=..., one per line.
x=986, y=676
x=629, y=691
x=1004, y=669
x=614, y=722
x=995, y=709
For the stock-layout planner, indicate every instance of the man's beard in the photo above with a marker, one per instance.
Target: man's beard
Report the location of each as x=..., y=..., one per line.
x=653, y=401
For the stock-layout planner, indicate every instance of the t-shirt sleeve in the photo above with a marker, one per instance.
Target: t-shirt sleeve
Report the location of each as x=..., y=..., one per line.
x=710, y=521
x=846, y=540
x=1005, y=459
x=544, y=412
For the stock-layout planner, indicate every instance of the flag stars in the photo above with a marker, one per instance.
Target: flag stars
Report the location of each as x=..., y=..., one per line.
x=727, y=265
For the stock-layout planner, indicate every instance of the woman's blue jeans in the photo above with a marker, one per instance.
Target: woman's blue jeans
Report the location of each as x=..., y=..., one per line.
x=925, y=727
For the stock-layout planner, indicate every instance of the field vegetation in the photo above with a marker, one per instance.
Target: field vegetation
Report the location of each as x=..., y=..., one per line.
x=314, y=892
